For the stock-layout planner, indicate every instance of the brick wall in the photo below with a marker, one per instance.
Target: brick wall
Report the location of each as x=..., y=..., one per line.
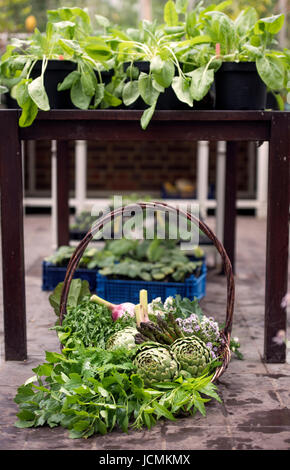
x=135, y=166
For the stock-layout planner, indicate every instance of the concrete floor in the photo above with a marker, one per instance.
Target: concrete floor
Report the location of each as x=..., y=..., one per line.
x=255, y=412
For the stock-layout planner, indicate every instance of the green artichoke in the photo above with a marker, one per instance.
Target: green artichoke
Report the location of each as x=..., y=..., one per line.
x=122, y=338
x=156, y=363
x=192, y=354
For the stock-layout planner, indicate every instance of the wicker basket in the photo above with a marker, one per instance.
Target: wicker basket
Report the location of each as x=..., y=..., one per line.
x=74, y=261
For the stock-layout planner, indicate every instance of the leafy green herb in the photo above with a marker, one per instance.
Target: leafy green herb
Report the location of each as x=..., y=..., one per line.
x=90, y=324
x=79, y=290
x=90, y=391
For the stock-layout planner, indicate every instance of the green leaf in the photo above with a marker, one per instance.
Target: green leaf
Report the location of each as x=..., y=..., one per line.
x=147, y=91
x=29, y=108
x=101, y=427
x=24, y=393
x=181, y=6
x=24, y=424
x=78, y=96
x=38, y=94
x=163, y=411
x=99, y=95
x=271, y=25
x=53, y=357
x=103, y=392
x=125, y=423
x=44, y=370
x=110, y=100
x=271, y=71
x=79, y=289
x=198, y=403
x=97, y=49
x=245, y=21
x=137, y=381
x=155, y=250
x=70, y=47
x=221, y=28
x=130, y=92
x=103, y=21
x=181, y=88
x=69, y=80
x=170, y=13
x=162, y=71
x=29, y=113
x=201, y=81
x=253, y=52
x=87, y=82
x=191, y=24
x=31, y=380
x=147, y=116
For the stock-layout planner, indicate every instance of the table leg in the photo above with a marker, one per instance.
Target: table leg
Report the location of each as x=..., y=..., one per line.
x=229, y=233
x=277, y=240
x=62, y=193
x=13, y=268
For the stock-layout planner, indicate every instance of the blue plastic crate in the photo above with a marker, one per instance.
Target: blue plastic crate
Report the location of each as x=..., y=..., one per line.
x=52, y=275
x=119, y=291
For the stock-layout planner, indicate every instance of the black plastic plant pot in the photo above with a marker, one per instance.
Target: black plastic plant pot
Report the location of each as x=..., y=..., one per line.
x=238, y=86
x=55, y=73
x=10, y=102
x=168, y=99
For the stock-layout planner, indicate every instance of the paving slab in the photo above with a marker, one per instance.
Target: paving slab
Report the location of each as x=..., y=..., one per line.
x=255, y=409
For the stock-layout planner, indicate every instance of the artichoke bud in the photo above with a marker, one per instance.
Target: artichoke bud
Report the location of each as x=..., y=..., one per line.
x=156, y=363
x=192, y=354
x=123, y=338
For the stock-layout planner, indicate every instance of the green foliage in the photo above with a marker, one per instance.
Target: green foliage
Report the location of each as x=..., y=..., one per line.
x=149, y=260
x=86, y=322
x=78, y=291
x=179, y=49
x=93, y=391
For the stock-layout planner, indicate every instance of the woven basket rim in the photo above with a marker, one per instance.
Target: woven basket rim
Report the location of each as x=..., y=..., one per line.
x=156, y=205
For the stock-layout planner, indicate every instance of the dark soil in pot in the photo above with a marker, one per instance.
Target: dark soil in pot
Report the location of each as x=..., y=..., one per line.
x=238, y=86
x=168, y=99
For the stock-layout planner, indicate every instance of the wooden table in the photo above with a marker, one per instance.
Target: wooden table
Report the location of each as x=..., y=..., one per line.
x=123, y=125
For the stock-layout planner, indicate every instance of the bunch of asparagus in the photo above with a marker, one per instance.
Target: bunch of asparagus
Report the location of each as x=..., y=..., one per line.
x=163, y=332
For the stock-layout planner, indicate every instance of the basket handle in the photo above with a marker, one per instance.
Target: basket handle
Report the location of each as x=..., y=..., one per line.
x=99, y=224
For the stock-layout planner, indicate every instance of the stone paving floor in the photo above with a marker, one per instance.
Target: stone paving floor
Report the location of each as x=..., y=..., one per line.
x=255, y=409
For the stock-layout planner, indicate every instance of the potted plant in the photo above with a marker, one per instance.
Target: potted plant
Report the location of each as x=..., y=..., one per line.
x=245, y=63
x=156, y=74
x=62, y=68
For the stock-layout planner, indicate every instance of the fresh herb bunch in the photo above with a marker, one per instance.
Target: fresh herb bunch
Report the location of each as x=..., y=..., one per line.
x=90, y=390
x=90, y=324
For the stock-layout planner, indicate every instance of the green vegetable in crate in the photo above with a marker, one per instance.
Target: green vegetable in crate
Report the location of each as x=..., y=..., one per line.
x=192, y=354
x=122, y=338
x=156, y=363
